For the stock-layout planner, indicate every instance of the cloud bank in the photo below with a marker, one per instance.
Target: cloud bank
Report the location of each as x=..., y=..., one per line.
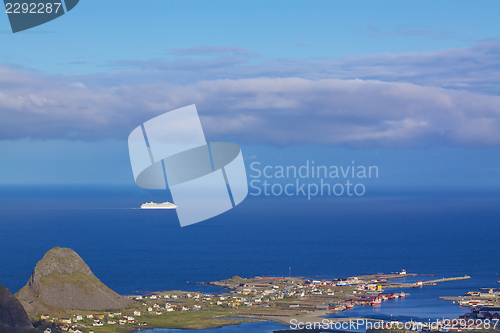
x=404, y=100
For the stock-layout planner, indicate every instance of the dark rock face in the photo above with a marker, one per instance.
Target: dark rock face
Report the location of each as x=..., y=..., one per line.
x=13, y=317
x=62, y=280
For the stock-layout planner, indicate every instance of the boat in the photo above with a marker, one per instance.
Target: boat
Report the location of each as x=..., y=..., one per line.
x=377, y=301
x=163, y=205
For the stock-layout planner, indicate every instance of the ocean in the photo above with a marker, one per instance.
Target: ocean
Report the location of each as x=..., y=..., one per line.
x=447, y=233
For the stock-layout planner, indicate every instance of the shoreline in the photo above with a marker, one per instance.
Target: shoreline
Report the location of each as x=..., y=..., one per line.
x=281, y=300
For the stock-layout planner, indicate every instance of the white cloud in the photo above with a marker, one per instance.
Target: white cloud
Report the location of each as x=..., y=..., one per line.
x=418, y=99
x=474, y=69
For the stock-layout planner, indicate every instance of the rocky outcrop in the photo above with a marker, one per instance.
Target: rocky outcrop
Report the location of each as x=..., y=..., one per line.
x=62, y=280
x=13, y=317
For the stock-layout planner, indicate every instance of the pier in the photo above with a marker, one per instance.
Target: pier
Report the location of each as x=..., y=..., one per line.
x=419, y=284
x=426, y=283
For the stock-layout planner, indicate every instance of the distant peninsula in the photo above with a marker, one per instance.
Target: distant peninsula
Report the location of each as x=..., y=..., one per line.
x=63, y=295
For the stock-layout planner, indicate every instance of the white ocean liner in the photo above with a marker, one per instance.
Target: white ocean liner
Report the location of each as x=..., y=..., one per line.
x=163, y=205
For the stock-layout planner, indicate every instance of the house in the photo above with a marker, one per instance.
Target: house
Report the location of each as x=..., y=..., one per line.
x=43, y=317
x=111, y=322
x=78, y=317
x=122, y=321
x=487, y=312
x=170, y=309
x=47, y=330
x=90, y=316
x=65, y=320
x=137, y=313
x=150, y=309
x=185, y=308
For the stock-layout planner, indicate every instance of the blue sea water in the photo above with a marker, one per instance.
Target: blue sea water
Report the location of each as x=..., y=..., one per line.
x=447, y=233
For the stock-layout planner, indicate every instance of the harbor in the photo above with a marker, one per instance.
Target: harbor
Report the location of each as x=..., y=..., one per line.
x=295, y=302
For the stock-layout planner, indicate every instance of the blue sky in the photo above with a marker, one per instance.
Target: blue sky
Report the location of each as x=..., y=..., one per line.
x=410, y=86
x=100, y=32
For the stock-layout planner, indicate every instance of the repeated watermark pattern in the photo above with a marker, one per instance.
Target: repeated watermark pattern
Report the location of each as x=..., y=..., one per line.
x=414, y=326
x=25, y=15
x=205, y=179
x=310, y=180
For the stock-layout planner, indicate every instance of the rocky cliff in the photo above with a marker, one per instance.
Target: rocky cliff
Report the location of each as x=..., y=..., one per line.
x=62, y=280
x=13, y=317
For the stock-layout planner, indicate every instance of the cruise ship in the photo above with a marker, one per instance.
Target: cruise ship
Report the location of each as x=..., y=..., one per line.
x=163, y=205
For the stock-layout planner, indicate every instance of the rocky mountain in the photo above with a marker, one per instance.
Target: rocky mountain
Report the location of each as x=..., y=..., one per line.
x=62, y=280
x=13, y=317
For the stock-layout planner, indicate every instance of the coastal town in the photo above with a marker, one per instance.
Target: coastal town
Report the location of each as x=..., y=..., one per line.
x=261, y=298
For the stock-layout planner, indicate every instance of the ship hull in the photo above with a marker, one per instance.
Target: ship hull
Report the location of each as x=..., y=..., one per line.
x=164, y=205
x=157, y=207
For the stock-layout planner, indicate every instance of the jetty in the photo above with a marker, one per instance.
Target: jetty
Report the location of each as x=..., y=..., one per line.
x=419, y=284
x=431, y=282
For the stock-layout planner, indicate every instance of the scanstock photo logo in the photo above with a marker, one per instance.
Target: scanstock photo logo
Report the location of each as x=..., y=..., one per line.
x=25, y=15
x=205, y=179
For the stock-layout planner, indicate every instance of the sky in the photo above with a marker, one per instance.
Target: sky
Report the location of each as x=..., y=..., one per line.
x=412, y=87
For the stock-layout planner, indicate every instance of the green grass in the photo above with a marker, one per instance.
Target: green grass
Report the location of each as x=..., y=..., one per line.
x=80, y=280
